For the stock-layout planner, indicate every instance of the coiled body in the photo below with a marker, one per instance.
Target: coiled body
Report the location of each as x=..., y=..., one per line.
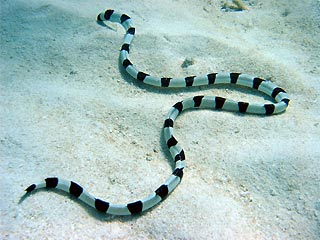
x=177, y=153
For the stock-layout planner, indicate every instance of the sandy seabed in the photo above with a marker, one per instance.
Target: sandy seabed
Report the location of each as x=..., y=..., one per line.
x=69, y=110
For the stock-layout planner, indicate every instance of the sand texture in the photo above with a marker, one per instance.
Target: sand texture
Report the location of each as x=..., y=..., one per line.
x=69, y=110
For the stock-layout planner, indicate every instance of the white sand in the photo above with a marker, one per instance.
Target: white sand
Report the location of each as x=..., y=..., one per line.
x=67, y=111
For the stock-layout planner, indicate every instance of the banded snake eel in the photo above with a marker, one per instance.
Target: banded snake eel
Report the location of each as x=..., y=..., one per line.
x=209, y=102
